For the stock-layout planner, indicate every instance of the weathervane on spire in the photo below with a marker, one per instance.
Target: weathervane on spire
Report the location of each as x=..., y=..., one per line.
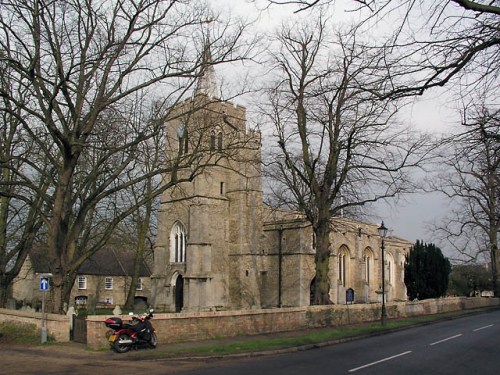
x=207, y=82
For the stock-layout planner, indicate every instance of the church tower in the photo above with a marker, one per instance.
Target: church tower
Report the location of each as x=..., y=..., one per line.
x=210, y=226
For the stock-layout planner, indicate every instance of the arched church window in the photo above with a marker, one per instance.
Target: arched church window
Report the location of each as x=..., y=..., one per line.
x=178, y=243
x=368, y=261
x=390, y=268
x=219, y=141
x=212, y=141
x=182, y=135
x=343, y=265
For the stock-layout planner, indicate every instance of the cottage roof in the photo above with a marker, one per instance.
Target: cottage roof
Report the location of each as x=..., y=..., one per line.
x=109, y=262
x=106, y=262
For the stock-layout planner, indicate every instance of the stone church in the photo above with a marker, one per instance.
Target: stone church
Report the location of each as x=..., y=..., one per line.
x=220, y=248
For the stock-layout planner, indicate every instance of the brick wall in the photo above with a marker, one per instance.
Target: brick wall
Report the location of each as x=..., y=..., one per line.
x=58, y=326
x=203, y=326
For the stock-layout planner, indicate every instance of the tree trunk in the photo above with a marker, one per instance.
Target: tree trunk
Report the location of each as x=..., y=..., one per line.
x=322, y=261
x=495, y=266
x=4, y=291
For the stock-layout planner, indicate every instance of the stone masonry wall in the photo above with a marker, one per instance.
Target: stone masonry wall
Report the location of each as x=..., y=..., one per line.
x=209, y=325
x=58, y=326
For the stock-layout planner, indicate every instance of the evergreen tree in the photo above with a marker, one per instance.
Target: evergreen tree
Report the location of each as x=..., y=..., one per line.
x=426, y=272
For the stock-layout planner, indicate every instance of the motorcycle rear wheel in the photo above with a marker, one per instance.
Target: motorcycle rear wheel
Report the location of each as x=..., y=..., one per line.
x=120, y=347
x=154, y=340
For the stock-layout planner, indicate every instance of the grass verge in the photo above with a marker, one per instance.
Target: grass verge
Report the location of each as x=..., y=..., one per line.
x=20, y=333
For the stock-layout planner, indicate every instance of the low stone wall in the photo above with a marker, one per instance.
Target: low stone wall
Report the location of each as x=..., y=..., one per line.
x=209, y=325
x=58, y=326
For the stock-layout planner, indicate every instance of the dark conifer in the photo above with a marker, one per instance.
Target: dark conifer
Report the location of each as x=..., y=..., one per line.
x=426, y=272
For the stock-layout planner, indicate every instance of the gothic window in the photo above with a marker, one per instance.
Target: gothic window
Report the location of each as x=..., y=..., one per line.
x=182, y=135
x=368, y=261
x=343, y=265
x=178, y=243
x=389, y=261
x=219, y=141
x=139, y=284
x=186, y=142
x=212, y=141
x=216, y=136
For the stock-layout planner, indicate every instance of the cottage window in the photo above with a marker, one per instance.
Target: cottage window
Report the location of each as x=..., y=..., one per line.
x=81, y=300
x=82, y=282
x=108, y=283
x=139, y=284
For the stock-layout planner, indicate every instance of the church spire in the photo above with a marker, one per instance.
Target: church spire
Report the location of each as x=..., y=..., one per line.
x=207, y=82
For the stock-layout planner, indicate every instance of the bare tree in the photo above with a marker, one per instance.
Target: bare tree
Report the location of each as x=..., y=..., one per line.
x=433, y=42
x=339, y=146
x=469, y=174
x=82, y=62
x=20, y=202
x=150, y=158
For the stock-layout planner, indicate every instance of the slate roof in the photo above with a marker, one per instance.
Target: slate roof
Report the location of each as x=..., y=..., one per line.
x=106, y=262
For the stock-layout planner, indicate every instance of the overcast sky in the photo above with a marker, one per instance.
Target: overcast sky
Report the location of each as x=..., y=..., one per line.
x=431, y=113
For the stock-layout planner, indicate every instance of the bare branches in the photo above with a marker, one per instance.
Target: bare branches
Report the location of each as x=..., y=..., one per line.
x=84, y=64
x=308, y=4
x=470, y=177
x=433, y=43
x=478, y=6
x=338, y=147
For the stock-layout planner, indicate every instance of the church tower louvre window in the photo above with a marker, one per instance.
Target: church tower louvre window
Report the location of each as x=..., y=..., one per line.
x=182, y=135
x=216, y=139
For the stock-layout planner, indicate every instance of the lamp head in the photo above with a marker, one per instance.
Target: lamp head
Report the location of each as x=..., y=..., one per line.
x=382, y=230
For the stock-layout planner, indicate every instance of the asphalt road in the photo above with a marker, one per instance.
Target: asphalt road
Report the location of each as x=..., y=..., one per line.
x=469, y=345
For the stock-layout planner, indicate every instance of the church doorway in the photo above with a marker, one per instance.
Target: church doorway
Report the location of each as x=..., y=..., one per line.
x=179, y=293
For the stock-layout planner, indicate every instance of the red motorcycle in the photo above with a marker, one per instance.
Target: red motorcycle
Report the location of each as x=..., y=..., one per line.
x=124, y=336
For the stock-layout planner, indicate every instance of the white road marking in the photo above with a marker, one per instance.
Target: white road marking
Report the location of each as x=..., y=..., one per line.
x=446, y=339
x=478, y=329
x=382, y=360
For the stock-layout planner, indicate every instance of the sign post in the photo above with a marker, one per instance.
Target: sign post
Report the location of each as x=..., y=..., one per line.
x=44, y=287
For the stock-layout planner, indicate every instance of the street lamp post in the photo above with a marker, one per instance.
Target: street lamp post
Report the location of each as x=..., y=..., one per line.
x=382, y=231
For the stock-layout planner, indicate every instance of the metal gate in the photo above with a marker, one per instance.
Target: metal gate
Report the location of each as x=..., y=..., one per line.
x=79, y=331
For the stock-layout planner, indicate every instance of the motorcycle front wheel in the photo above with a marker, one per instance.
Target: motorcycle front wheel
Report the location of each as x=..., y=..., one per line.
x=121, y=347
x=154, y=340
